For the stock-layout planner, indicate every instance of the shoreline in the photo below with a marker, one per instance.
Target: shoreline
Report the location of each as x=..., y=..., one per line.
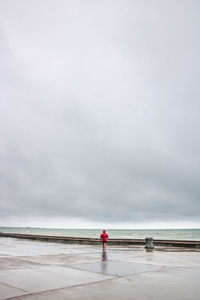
x=96, y=241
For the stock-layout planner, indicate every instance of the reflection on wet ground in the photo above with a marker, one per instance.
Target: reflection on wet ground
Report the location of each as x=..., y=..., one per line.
x=104, y=265
x=117, y=268
x=104, y=255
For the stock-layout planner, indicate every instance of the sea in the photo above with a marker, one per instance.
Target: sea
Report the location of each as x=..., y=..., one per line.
x=172, y=234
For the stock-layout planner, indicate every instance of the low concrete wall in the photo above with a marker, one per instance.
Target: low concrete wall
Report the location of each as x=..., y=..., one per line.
x=95, y=241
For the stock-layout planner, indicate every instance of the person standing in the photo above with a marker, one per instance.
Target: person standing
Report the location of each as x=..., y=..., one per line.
x=104, y=239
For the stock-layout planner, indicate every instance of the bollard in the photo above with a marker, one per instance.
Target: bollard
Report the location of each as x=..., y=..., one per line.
x=149, y=244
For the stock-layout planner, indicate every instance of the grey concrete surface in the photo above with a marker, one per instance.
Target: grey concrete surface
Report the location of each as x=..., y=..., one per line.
x=33, y=270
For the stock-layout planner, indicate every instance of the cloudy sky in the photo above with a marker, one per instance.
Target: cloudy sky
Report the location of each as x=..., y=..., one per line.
x=99, y=113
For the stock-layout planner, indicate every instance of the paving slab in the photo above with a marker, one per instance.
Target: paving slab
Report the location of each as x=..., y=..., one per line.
x=58, y=259
x=47, y=278
x=15, y=263
x=16, y=247
x=10, y=291
x=167, y=259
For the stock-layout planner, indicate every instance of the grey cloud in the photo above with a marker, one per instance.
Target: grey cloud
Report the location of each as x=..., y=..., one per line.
x=100, y=110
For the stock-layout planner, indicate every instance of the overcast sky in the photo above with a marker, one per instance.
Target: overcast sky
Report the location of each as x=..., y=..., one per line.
x=99, y=113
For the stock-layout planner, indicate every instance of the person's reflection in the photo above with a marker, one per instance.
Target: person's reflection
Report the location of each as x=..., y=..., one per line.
x=104, y=262
x=104, y=255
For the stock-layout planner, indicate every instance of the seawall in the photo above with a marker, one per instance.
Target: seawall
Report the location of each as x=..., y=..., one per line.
x=95, y=241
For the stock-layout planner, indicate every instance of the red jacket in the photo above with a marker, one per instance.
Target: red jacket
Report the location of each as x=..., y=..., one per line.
x=104, y=236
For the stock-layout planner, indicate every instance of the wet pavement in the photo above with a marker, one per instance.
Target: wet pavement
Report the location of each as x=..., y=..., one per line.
x=34, y=270
x=116, y=268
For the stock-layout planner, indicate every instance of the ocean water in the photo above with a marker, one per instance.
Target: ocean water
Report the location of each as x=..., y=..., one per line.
x=172, y=234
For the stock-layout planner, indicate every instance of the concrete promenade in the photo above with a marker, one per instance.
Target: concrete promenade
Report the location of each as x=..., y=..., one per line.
x=41, y=270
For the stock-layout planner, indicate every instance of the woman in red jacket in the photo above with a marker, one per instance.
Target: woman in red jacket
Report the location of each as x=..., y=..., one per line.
x=104, y=239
